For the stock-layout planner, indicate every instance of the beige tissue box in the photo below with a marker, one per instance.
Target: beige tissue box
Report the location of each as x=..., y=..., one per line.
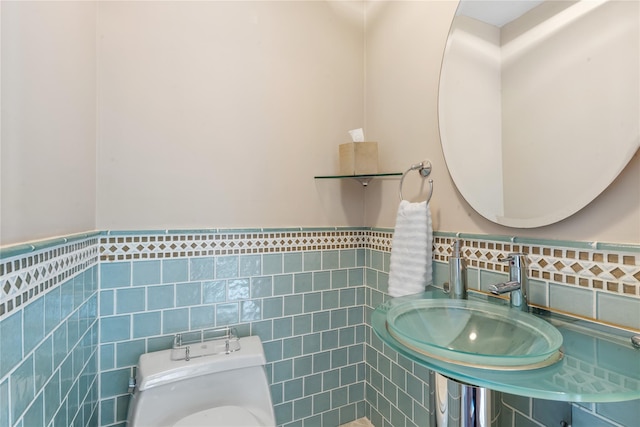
x=358, y=158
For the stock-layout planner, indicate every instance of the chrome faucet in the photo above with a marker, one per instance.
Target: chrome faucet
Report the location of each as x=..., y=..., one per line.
x=518, y=285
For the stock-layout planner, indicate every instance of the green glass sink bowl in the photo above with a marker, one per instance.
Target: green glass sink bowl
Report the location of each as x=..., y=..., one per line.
x=475, y=333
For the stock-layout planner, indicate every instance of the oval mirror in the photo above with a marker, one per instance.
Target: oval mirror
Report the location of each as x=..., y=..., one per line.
x=539, y=104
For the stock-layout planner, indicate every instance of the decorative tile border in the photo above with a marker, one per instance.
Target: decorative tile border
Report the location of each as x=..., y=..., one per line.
x=607, y=270
x=379, y=239
x=157, y=246
x=23, y=277
x=31, y=271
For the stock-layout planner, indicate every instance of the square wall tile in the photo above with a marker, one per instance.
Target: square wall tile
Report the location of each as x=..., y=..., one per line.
x=174, y=321
x=282, y=370
x=282, y=327
x=303, y=282
x=283, y=284
x=292, y=305
x=321, y=280
x=11, y=342
x=114, y=328
x=175, y=270
x=107, y=411
x=312, y=302
x=227, y=267
x=107, y=303
x=347, y=258
x=356, y=277
x=203, y=317
x=571, y=299
x=272, y=307
x=161, y=296
x=188, y=294
x=376, y=260
x=292, y=262
x=331, y=300
x=127, y=353
x=238, y=289
x=618, y=310
x=130, y=300
x=263, y=329
x=113, y=382
x=107, y=356
x=250, y=310
x=250, y=265
x=538, y=293
x=330, y=260
x=292, y=347
x=22, y=388
x=146, y=324
x=312, y=261
x=146, y=272
x=339, y=279
x=115, y=275
x=34, y=321
x=43, y=362
x=215, y=291
x=52, y=314
x=272, y=264
x=201, y=269
x=226, y=314
x=261, y=287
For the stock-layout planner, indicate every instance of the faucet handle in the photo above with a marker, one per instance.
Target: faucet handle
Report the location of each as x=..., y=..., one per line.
x=516, y=259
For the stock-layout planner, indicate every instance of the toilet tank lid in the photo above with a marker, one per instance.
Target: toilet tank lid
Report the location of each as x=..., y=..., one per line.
x=157, y=368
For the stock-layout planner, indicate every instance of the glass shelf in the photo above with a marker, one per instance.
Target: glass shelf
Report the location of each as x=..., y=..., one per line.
x=363, y=179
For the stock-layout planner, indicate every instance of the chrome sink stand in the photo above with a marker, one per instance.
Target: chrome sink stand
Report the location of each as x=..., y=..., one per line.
x=461, y=405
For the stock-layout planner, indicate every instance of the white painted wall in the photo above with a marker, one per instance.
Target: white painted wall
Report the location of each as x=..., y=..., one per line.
x=274, y=101
x=47, y=168
x=219, y=114
x=404, y=46
x=405, y=42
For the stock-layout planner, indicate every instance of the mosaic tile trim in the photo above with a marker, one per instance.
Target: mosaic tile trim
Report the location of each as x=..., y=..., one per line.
x=154, y=246
x=612, y=271
x=379, y=240
x=23, y=277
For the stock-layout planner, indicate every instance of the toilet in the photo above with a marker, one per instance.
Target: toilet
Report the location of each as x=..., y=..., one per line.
x=224, y=389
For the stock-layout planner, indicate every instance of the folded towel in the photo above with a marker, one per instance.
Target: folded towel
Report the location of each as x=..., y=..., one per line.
x=411, y=250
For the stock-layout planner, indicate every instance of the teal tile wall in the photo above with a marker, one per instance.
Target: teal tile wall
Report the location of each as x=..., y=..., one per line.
x=306, y=306
x=310, y=305
x=397, y=390
x=48, y=356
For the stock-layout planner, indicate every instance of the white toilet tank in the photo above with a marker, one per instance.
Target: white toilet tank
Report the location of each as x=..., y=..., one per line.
x=216, y=390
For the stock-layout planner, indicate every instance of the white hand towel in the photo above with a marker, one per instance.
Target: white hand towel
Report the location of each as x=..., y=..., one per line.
x=411, y=250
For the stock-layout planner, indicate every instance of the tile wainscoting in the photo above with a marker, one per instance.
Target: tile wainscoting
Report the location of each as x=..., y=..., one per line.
x=76, y=313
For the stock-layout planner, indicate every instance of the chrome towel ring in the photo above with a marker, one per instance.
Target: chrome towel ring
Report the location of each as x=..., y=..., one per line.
x=424, y=169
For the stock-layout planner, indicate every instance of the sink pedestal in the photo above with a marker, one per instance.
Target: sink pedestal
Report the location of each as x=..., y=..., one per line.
x=461, y=405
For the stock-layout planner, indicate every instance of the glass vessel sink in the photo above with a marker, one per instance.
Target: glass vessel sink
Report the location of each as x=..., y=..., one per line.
x=475, y=333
